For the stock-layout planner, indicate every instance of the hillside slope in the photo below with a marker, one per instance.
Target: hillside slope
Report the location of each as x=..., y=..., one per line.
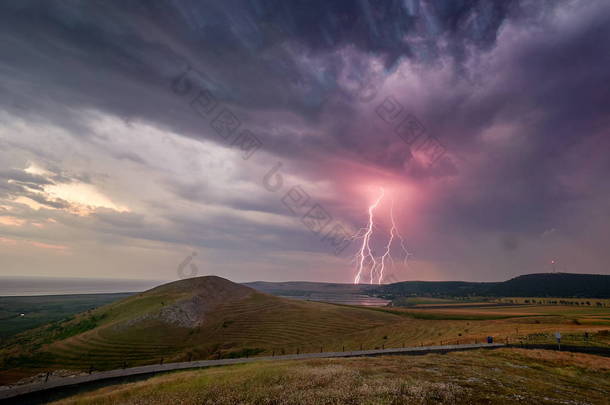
x=198, y=318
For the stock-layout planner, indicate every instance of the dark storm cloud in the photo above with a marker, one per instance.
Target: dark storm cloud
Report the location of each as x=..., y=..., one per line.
x=118, y=56
x=282, y=68
x=551, y=93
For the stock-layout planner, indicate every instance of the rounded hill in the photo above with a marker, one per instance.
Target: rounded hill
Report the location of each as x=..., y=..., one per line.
x=196, y=318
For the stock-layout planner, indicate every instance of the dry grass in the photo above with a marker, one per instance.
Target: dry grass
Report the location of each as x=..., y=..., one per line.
x=481, y=377
x=270, y=324
x=564, y=359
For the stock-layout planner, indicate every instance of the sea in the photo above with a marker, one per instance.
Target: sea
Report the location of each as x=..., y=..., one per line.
x=27, y=286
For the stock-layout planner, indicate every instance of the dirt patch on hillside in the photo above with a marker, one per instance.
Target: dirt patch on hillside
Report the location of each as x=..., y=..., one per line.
x=203, y=295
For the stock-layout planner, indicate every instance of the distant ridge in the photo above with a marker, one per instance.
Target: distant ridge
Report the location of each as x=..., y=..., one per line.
x=289, y=288
x=564, y=285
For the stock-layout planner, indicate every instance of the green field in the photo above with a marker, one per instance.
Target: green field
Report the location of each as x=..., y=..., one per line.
x=40, y=310
x=505, y=376
x=415, y=301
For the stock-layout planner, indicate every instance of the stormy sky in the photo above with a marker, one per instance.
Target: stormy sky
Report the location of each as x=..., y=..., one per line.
x=255, y=140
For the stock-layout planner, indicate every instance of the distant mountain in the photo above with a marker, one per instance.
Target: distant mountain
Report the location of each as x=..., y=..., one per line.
x=556, y=285
x=563, y=285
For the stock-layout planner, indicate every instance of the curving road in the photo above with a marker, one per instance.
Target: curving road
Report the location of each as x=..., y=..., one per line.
x=58, y=382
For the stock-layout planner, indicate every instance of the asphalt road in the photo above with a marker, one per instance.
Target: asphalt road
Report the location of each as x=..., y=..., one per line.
x=58, y=382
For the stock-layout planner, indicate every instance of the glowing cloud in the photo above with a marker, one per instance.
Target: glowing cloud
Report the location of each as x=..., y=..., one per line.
x=83, y=196
x=11, y=221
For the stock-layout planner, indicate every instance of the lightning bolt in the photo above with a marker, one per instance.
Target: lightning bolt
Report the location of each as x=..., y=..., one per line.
x=365, y=254
x=366, y=239
x=386, y=255
x=388, y=246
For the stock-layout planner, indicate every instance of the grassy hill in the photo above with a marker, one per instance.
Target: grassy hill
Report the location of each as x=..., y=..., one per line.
x=198, y=318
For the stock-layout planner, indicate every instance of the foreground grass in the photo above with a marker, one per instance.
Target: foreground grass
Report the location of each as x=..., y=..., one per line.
x=504, y=376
